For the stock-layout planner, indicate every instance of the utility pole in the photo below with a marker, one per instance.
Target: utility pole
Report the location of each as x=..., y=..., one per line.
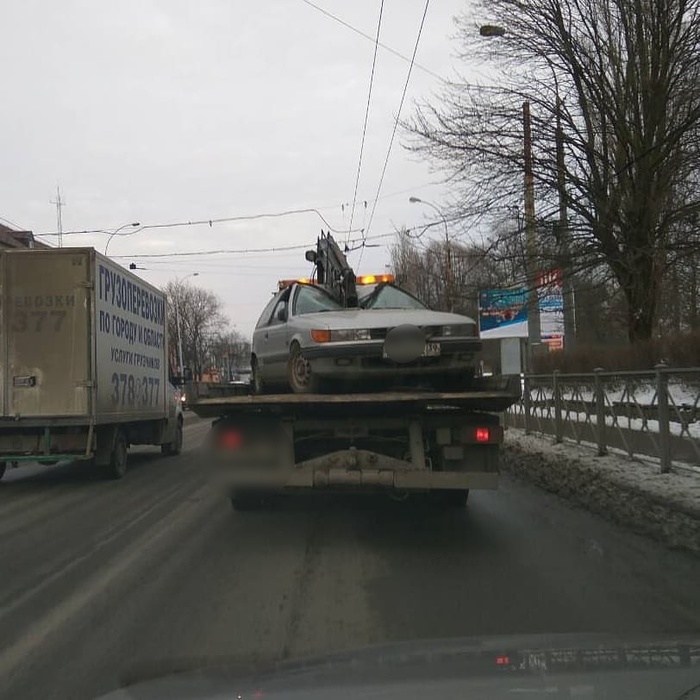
x=60, y=203
x=533, y=306
x=565, y=262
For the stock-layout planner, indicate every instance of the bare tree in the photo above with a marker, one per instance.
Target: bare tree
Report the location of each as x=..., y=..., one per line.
x=201, y=320
x=623, y=79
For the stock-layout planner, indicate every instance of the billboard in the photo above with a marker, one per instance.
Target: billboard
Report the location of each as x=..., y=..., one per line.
x=551, y=303
x=503, y=313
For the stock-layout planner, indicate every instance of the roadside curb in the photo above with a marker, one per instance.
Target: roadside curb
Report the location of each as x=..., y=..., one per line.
x=665, y=507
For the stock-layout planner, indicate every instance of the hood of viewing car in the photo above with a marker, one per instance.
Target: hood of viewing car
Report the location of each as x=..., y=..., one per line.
x=379, y=318
x=542, y=666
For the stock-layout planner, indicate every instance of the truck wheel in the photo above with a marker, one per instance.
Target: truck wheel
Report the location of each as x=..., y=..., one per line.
x=117, y=461
x=299, y=376
x=3, y=468
x=246, y=501
x=174, y=447
x=256, y=380
x=452, y=499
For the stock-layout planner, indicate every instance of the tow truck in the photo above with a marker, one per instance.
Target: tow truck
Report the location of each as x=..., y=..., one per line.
x=399, y=442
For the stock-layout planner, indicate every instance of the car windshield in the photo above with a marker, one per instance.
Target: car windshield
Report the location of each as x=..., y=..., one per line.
x=313, y=300
x=386, y=296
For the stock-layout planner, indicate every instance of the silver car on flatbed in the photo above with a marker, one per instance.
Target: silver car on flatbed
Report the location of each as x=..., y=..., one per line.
x=306, y=341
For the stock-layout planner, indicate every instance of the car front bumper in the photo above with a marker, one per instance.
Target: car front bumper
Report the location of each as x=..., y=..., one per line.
x=365, y=359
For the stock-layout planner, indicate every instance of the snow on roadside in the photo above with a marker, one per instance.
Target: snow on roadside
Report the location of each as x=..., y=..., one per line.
x=633, y=493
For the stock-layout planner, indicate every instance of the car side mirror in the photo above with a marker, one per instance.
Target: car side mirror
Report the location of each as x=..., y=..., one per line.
x=282, y=314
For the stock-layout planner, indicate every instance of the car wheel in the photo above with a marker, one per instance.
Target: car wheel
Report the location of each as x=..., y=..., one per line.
x=174, y=447
x=256, y=380
x=456, y=498
x=299, y=374
x=117, y=461
x=3, y=467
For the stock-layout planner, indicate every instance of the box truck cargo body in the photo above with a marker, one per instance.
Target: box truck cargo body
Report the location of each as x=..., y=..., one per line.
x=84, y=360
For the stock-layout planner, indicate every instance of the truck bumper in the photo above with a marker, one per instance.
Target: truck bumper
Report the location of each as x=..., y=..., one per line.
x=362, y=480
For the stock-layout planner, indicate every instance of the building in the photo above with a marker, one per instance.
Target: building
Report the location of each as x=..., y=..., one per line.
x=11, y=238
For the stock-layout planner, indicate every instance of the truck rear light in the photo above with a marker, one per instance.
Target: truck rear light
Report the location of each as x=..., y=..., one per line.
x=230, y=439
x=482, y=435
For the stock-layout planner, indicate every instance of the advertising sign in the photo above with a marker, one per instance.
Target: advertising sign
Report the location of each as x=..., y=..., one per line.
x=551, y=304
x=131, y=342
x=503, y=313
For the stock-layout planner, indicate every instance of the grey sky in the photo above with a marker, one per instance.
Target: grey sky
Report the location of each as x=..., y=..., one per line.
x=169, y=110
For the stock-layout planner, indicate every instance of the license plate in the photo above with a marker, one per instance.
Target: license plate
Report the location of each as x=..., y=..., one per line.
x=430, y=350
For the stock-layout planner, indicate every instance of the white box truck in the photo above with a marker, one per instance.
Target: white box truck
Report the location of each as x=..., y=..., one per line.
x=83, y=361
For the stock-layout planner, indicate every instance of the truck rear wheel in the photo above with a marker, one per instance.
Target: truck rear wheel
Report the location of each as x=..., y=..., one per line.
x=117, y=461
x=456, y=498
x=174, y=447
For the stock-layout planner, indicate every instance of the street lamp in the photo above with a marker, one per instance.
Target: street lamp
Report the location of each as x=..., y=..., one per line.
x=112, y=234
x=448, y=252
x=177, y=324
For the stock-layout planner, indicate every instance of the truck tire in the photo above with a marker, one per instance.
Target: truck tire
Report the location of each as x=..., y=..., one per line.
x=456, y=498
x=117, y=461
x=299, y=376
x=174, y=447
x=247, y=500
x=3, y=468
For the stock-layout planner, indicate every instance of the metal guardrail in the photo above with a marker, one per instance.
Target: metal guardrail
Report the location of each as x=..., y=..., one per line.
x=654, y=413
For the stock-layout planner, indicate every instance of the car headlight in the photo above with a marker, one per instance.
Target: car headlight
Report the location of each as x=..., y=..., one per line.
x=350, y=334
x=462, y=330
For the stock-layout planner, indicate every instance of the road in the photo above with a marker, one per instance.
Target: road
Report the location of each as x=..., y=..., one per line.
x=103, y=581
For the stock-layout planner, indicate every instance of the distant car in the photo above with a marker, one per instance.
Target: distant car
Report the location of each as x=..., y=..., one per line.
x=305, y=340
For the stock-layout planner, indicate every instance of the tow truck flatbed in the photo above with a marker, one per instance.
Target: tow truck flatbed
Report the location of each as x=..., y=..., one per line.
x=492, y=396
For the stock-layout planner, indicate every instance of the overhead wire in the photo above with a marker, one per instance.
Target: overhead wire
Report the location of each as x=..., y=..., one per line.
x=392, y=51
x=396, y=124
x=366, y=119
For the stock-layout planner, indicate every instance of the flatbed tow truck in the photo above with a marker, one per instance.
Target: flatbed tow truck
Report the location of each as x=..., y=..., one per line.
x=398, y=442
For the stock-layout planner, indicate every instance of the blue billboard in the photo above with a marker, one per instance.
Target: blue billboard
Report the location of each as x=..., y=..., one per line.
x=503, y=313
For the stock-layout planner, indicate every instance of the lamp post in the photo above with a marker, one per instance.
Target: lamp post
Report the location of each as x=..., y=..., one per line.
x=181, y=368
x=112, y=234
x=448, y=252
x=489, y=30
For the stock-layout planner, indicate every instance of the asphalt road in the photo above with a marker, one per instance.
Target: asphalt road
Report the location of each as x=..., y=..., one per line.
x=102, y=581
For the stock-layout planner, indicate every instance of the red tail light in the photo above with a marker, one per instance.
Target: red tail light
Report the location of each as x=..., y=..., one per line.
x=502, y=660
x=483, y=435
x=230, y=439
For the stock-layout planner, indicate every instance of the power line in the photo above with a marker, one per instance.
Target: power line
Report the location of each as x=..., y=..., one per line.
x=364, y=125
x=280, y=249
x=396, y=124
x=337, y=19
x=206, y=222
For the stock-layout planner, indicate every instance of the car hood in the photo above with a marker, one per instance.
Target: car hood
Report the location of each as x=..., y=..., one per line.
x=592, y=666
x=379, y=318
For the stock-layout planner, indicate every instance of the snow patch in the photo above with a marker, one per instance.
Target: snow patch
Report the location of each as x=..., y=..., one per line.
x=629, y=492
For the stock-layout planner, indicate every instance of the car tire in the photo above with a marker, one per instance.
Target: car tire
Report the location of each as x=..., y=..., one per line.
x=454, y=499
x=299, y=375
x=174, y=447
x=256, y=381
x=117, y=461
x=3, y=469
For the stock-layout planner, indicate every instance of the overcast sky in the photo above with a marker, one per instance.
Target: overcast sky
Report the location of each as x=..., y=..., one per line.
x=170, y=110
